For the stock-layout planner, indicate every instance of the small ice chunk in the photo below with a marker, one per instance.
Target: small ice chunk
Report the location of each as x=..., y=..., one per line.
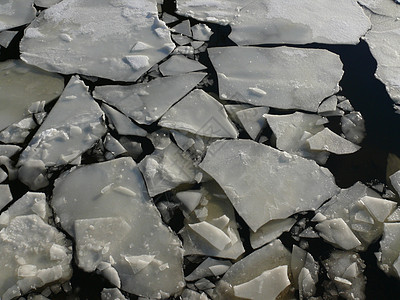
x=328, y=105
x=378, y=207
x=183, y=28
x=270, y=231
x=269, y=171
x=211, y=234
x=46, y=3
x=139, y=262
x=18, y=91
x=178, y=64
x=112, y=294
x=395, y=216
x=190, y=199
x=147, y=102
x=209, y=267
x=14, y=13
x=6, y=37
x=201, y=32
x=337, y=232
x=167, y=18
x=17, y=133
x=9, y=150
x=297, y=87
x=330, y=141
x=345, y=105
x=181, y=39
x=395, y=181
x=182, y=140
x=390, y=249
x=5, y=195
x=122, y=123
x=252, y=120
x=100, y=25
x=233, y=109
x=201, y=114
x=113, y=145
x=353, y=127
x=167, y=168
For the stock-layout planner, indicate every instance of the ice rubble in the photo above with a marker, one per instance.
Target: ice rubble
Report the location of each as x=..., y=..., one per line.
x=107, y=209
x=122, y=39
x=21, y=85
x=295, y=78
x=201, y=114
x=147, y=102
x=74, y=124
x=34, y=254
x=275, y=194
x=14, y=13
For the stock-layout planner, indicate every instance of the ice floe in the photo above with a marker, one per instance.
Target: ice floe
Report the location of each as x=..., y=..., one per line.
x=107, y=209
x=267, y=171
x=14, y=13
x=122, y=39
x=294, y=79
x=147, y=102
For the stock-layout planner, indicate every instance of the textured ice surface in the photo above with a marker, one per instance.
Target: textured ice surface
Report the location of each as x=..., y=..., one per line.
x=329, y=141
x=14, y=13
x=178, y=64
x=277, y=179
x=147, y=102
x=201, y=114
x=74, y=124
x=107, y=209
x=292, y=131
x=383, y=48
x=34, y=254
x=266, y=258
x=294, y=79
x=167, y=168
x=299, y=22
x=21, y=85
x=118, y=40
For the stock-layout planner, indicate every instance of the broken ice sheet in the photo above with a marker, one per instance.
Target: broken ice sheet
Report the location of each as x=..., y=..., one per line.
x=201, y=114
x=382, y=46
x=338, y=233
x=345, y=270
x=389, y=258
x=282, y=77
x=293, y=130
x=74, y=124
x=353, y=127
x=21, y=85
x=277, y=179
x=147, y=102
x=106, y=208
x=299, y=22
x=122, y=39
x=178, y=64
x=5, y=195
x=167, y=168
x=329, y=141
x=209, y=267
x=247, y=269
x=211, y=229
x=14, y=13
x=201, y=32
x=348, y=206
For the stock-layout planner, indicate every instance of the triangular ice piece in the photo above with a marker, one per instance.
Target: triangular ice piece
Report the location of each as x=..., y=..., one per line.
x=252, y=120
x=178, y=64
x=201, y=114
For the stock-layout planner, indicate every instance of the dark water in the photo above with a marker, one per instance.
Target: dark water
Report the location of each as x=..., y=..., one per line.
x=367, y=95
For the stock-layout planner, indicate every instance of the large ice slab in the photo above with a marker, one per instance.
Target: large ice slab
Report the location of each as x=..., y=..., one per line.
x=277, y=180
x=118, y=40
x=201, y=114
x=74, y=124
x=282, y=77
x=14, y=13
x=383, y=48
x=299, y=22
x=147, y=102
x=21, y=85
x=107, y=209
